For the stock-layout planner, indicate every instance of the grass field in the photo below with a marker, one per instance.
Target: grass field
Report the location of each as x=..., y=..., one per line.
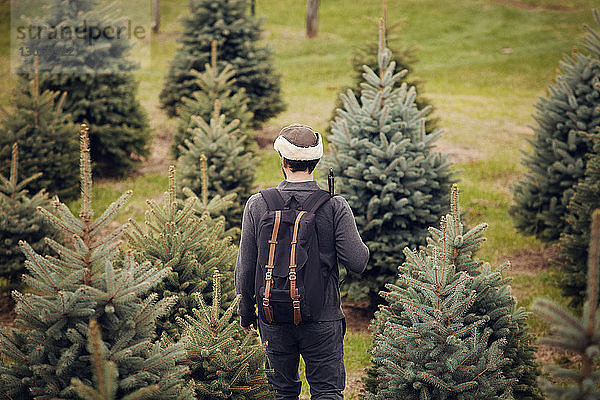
x=484, y=64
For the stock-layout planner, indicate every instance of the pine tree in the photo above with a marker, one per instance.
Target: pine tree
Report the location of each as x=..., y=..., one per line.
x=387, y=168
x=46, y=137
x=19, y=221
x=573, y=242
x=190, y=246
x=556, y=160
x=90, y=278
x=237, y=34
x=98, y=79
x=232, y=166
x=105, y=373
x=579, y=336
x=447, y=299
x=405, y=58
x=223, y=366
x=215, y=84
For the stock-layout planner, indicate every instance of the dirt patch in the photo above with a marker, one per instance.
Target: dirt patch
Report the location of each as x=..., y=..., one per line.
x=7, y=314
x=531, y=262
x=160, y=153
x=265, y=136
x=358, y=317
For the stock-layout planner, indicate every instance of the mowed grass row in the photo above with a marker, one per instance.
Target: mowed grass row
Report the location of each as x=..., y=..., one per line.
x=484, y=64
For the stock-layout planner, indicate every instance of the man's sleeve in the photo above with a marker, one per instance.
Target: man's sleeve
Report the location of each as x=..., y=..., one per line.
x=245, y=269
x=351, y=250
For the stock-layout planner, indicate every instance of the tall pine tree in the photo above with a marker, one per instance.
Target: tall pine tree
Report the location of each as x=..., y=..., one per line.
x=405, y=58
x=576, y=335
x=215, y=84
x=97, y=75
x=574, y=240
x=45, y=135
x=89, y=278
x=556, y=160
x=237, y=35
x=19, y=220
x=232, y=166
x=387, y=168
x=427, y=288
x=191, y=247
x=223, y=365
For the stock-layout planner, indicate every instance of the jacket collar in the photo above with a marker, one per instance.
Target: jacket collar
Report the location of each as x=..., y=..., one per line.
x=300, y=186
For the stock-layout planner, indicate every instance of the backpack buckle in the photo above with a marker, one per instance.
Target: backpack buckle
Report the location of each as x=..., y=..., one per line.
x=292, y=275
x=266, y=302
x=296, y=304
x=268, y=275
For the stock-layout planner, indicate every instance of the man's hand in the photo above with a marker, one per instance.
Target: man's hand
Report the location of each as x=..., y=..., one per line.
x=250, y=330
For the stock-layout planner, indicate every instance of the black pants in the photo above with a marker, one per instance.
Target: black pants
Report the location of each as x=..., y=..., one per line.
x=321, y=345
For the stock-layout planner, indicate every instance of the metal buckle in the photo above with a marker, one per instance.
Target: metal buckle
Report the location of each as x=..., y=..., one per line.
x=296, y=303
x=266, y=302
x=292, y=275
x=268, y=275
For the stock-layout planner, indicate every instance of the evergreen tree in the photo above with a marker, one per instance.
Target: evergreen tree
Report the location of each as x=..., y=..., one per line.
x=449, y=254
x=105, y=373
x=215, y=84
x=97, y=75
x=405, y=58
x=232, y=166
x=556, y=160
x=387, y=168
x=579, y=336
x=89, y=279
x=191, y=247
x=223, y=366
x=45, y=136
x=237, y=35
x=573, y=242
x=20, y=221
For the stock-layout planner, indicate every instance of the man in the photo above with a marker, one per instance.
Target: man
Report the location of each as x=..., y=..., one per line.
x=320, y=341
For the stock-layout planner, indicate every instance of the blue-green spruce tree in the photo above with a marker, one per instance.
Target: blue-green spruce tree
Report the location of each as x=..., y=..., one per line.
x=87, y=278
x=237, y=34
x=556, y=160
x=387, y=169
x=97, y=75
x=450, y=328
x=580, y=336
x=19, y=220
x=574, y=240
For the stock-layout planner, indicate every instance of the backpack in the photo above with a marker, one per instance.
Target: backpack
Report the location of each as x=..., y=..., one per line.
x=289, y=280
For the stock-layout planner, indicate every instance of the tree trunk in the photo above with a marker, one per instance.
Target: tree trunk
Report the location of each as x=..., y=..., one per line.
x=312, y=18
x=155, y=15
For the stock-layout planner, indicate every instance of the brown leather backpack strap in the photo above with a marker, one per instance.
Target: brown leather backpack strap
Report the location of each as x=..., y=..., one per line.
x=292, y=276
x=269, y=267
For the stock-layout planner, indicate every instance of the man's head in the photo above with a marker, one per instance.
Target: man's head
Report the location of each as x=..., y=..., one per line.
x=300, y=148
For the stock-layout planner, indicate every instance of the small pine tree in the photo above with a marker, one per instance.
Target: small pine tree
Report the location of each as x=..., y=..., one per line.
x=215, y=84
x=105, y=373
x=405, y=58
x=579, y=336
x=556, y=160
x=20, y=221
x=223, y=366
x=45, y=136
x=90, y=278
x=387, y=168
x=573, y=242
x=237, y=34
x=232, y=166
x=492, y=305
x=190, y=247
x=98, y=79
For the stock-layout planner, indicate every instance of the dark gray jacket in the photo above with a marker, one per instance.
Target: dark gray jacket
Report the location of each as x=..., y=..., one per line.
x=338, y=240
